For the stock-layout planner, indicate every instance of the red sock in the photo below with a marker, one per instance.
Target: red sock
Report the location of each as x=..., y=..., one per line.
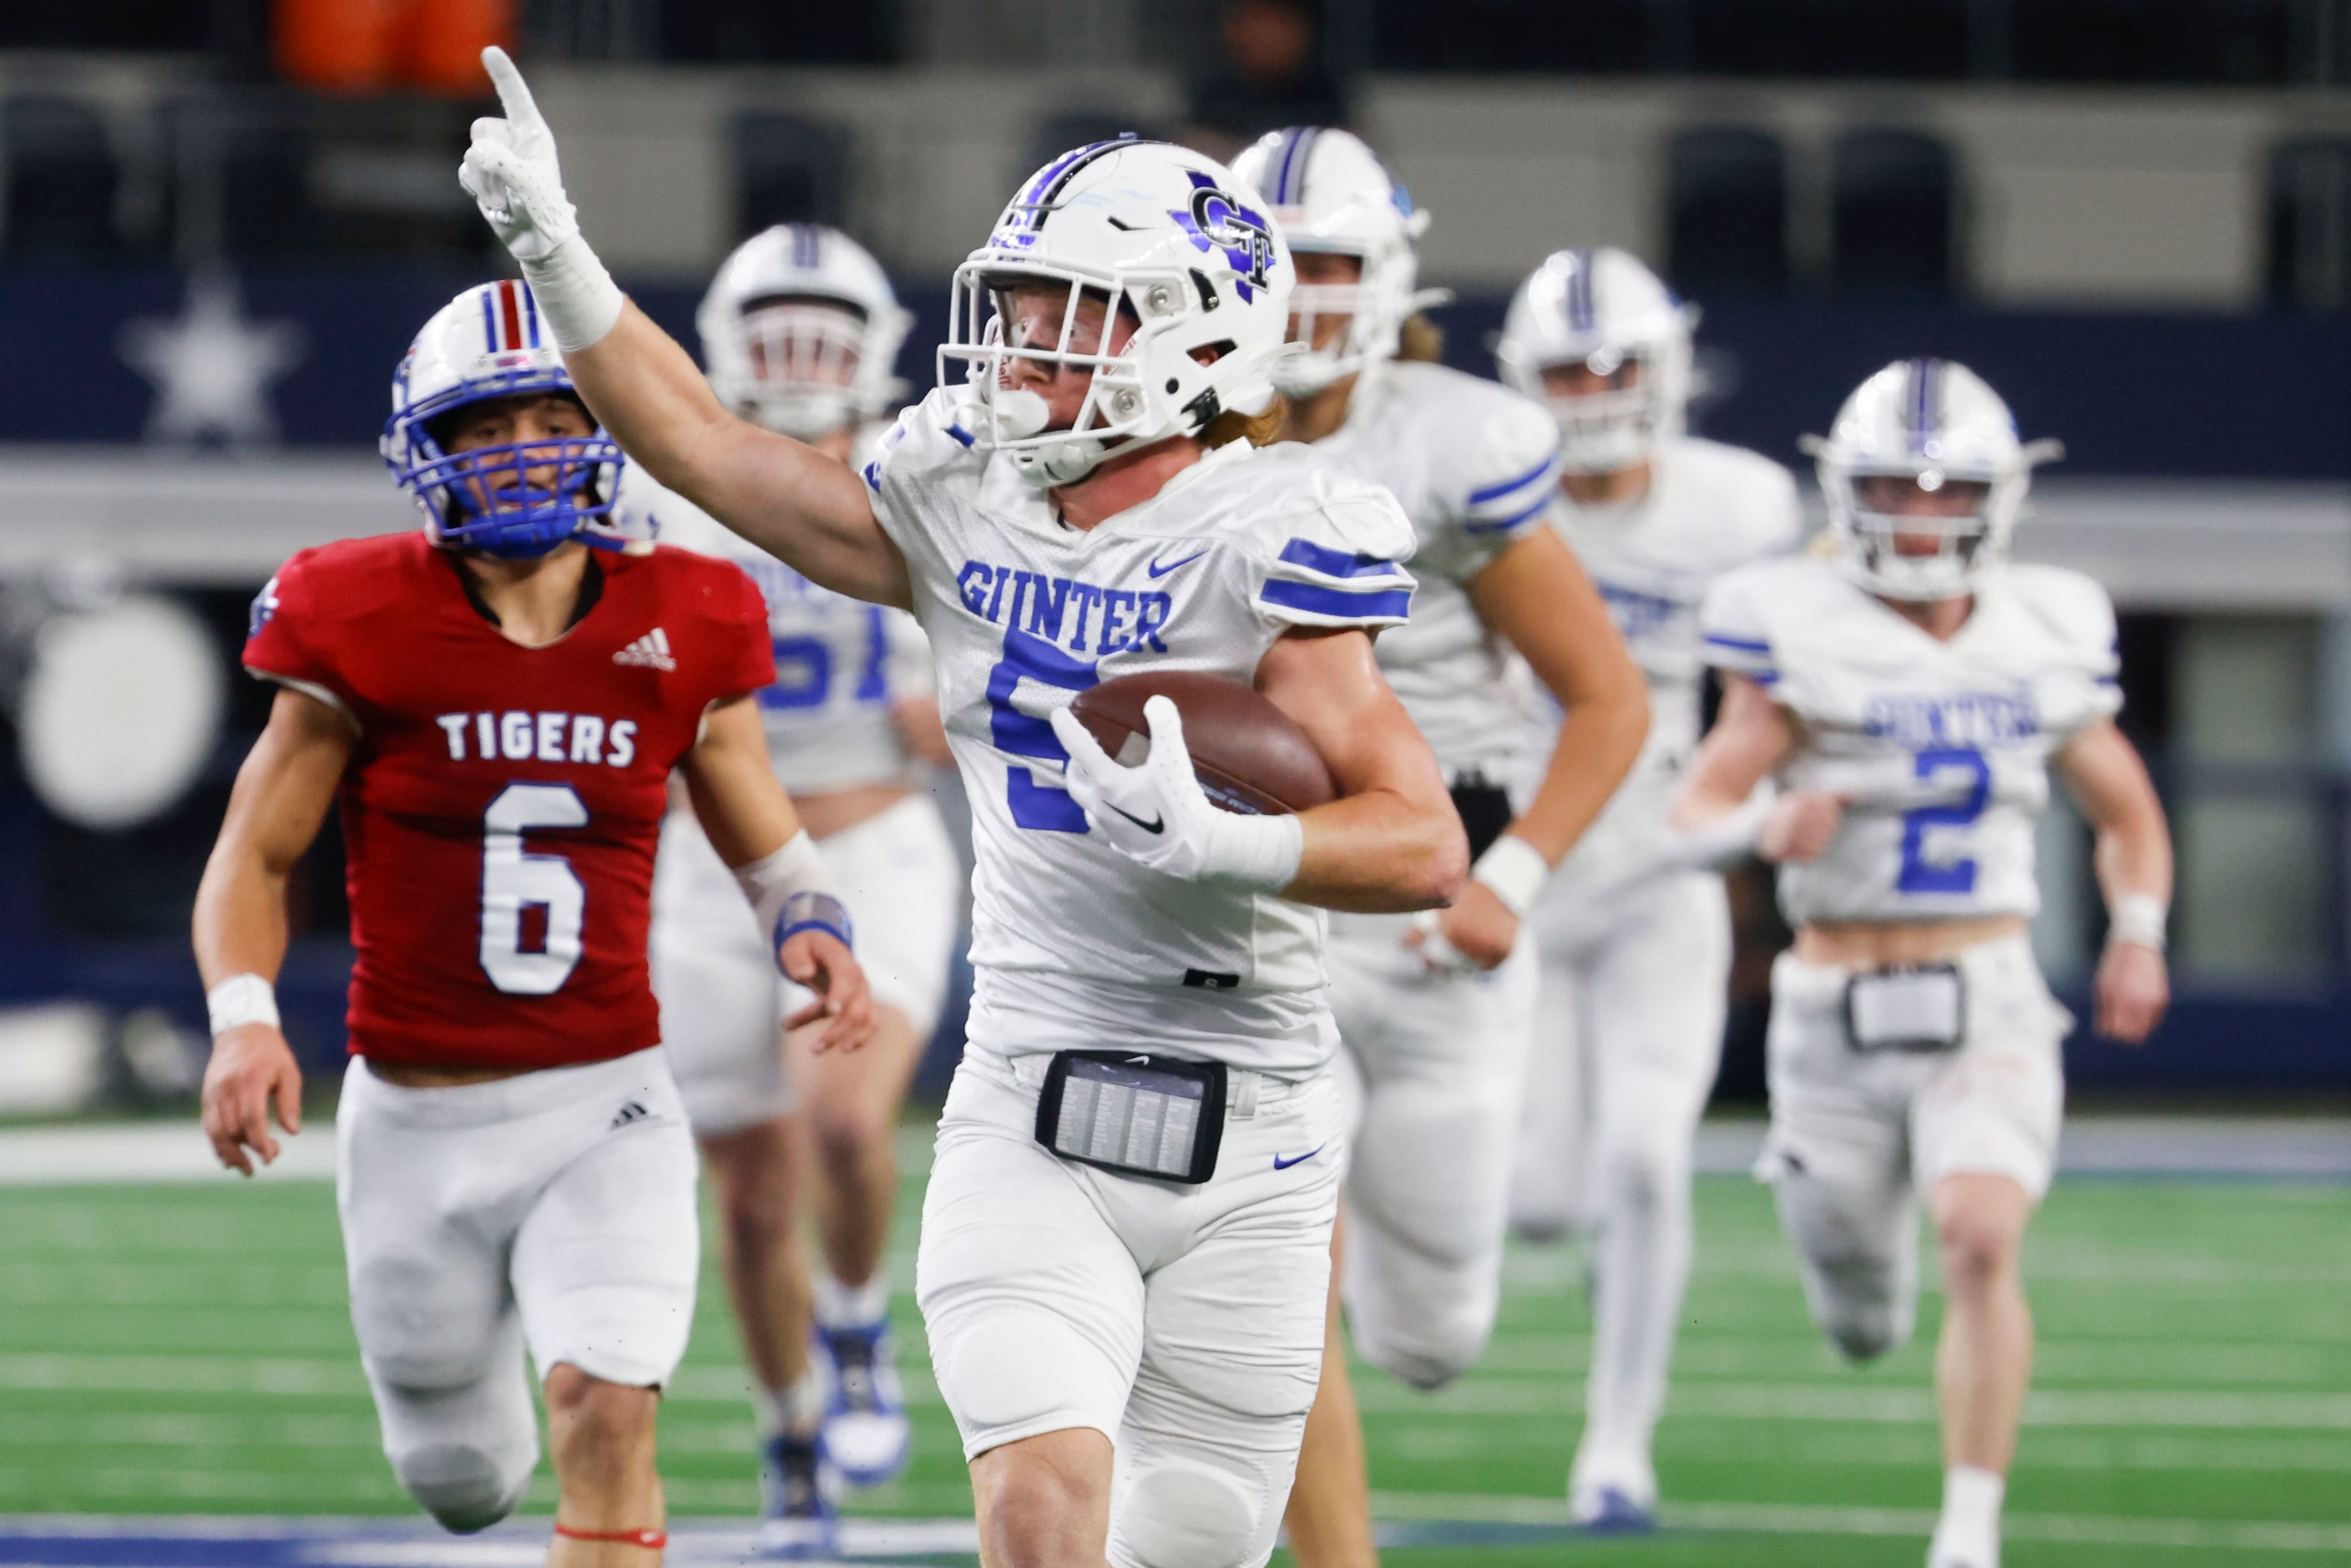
x=651, y=1540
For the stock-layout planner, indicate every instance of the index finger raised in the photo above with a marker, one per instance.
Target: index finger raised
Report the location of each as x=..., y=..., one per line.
x=514, y=93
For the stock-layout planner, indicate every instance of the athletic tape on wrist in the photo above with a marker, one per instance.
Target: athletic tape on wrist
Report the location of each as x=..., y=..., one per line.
x=239, y=1000
x=1261, y=853
x=1514, y=871
x=772, y=882
x=814, y=911
x=575, y=296
x=2139, y=919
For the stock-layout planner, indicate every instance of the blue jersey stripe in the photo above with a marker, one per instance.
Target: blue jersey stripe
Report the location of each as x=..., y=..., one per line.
x=1392, y=604
x=1742, y=644
x=1334, y=562
x=1495, y=492
x=1504, y=524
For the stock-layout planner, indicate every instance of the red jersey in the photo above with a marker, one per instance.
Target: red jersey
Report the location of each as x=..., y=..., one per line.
x=503, y=807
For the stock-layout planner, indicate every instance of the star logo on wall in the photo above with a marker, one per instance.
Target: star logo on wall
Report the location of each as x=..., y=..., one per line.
x=212, y=368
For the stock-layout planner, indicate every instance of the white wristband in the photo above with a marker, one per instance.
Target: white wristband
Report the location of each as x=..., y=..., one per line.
x=1261, y=853
x=239, y=1000
x=771, y=880
x=2139, y=919
x=1514, y=871
x=576, y=295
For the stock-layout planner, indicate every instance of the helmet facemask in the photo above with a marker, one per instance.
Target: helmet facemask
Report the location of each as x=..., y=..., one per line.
x=1064, y=325
x=1324, y=357
x=1613, y=406
x=515, y=500
x=801, y=355
x=1939, y=543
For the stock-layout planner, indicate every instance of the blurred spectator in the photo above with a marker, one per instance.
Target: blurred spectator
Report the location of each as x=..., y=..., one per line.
x=1272, y=72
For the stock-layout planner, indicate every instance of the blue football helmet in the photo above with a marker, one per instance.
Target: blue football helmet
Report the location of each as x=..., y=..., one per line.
x=489, y=342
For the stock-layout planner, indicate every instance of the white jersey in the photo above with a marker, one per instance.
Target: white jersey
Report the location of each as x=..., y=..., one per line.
x=1473, y=465
x=1942, y=746
x=1708, y=509
x=1074, y=944
x=840, y=662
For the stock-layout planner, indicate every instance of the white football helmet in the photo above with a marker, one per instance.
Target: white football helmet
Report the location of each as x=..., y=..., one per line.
x=489, y=342
x=1603, y=308
x=1934, y=422
x=801, y=331
x=1331, y=194
x=1160, y=235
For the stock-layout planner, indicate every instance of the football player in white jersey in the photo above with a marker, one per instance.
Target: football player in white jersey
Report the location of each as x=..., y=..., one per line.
x=1434, y=1012
x=1635, y=938
x=1911, y=695
x=1125, y=1244
x=801, y=332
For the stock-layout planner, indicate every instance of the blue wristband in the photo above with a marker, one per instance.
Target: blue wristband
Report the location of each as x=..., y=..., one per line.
x=814, y=911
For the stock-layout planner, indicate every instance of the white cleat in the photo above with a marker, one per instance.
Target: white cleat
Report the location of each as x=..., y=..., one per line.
x=1949, y=1550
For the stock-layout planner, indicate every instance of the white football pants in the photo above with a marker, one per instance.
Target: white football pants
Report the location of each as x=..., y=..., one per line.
x=1184, y=1322
x=1627, y=1039
x=1856, y=1134
x=552, y=1208
x=1433, y=1065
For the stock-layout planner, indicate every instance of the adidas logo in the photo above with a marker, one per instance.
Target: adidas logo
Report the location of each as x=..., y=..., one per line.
x=651, y=651
x=630, y=1112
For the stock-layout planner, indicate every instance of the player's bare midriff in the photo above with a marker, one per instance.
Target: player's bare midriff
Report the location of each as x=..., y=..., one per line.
x=1881, y=944
x=837, y=810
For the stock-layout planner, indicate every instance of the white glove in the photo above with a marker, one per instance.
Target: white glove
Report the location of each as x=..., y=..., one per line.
x=511, y=172
x=1159, y=815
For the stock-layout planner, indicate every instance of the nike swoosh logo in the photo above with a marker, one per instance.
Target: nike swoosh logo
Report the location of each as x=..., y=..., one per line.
x=1282, y=1164
x=1157, y=824
x=1158, y=570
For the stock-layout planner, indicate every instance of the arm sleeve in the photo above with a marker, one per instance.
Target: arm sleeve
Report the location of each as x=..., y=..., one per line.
x=1512, y=475
x=1735, y=635
x=1340, y=563
x=289, y=640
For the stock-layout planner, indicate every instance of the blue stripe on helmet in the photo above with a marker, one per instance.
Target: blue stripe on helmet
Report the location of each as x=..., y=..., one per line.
x=489, y=320
x=1579, y=293
x=1291, y=184
x=1922, y=411
x=529, y=313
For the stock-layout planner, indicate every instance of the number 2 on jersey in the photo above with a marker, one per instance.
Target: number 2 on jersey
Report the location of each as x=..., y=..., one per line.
x=1919, y=874
x=512, y=879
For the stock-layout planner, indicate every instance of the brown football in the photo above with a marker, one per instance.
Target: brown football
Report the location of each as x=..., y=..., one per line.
x=1249, y=756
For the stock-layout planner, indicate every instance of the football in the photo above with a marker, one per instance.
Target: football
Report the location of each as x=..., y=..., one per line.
x=1249, y=756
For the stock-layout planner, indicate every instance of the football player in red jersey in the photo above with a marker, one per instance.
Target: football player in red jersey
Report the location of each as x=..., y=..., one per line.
x=498, y=708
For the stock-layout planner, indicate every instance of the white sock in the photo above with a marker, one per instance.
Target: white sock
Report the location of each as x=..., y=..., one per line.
x=850, y=1306
x=799, y=1410
x=1972, y=1500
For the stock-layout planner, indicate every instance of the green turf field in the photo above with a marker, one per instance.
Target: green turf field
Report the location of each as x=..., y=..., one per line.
x=185, y=1348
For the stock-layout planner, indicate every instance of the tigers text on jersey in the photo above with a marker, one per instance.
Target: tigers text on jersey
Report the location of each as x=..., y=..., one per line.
x=1023, y=613
x=1474, y=465
x=501, y=810
x=840, y=662
x=1709, y=508
x=1942, y=746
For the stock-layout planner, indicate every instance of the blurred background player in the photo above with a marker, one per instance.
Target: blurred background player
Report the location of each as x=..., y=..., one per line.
x=1435, y=1010
x=497, y=702
x=1634, y=937
x=1911, y=694
x=1125, y=1318
x=801, y=331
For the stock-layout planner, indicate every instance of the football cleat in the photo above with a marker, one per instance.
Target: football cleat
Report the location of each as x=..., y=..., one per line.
x=797, y=1519
x=867, y=1436
x=1611, y=1511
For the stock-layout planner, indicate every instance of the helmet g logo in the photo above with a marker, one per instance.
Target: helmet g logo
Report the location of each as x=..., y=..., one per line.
x=1218, y=221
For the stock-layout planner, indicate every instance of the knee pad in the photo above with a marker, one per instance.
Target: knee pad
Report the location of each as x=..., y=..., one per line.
x=462, y=1486
x=1182, y=1514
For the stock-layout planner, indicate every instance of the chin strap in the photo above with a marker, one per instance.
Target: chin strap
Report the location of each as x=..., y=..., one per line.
x=651, y=1540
